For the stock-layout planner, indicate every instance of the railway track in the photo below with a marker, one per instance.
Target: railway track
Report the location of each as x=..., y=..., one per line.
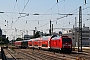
x=29, y=54
x=41, y=55
x=81, y=55
x=56, y=55
x=11, y=55
x=72, y=56
x=22, y=56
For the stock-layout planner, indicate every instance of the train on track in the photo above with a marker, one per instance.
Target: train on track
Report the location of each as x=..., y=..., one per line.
x=55, y=42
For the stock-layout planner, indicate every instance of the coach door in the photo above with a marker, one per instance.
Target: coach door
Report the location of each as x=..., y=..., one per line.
x=40, y=43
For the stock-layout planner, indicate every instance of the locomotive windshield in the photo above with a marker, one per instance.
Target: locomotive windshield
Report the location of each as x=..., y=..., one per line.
x=66, y=39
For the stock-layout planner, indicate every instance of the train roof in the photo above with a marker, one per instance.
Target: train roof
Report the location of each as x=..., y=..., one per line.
x=17, y=41
x=30, y=40
x=34, y=39
x=21, y=41
x=24, y=40
x=46, y=37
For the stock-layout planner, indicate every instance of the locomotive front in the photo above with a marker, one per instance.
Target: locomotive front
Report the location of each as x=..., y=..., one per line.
x=66, y=43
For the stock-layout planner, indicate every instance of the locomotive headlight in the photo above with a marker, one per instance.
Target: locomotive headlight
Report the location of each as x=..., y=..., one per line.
x=64, y=45
x=69, y=45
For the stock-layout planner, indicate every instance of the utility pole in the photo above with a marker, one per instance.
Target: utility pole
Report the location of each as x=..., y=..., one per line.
x=50, y=28
x=75, y=22
x=80, y=30
x=35, y=29
x=85, y=2
x=26, y=32
x=76, y=32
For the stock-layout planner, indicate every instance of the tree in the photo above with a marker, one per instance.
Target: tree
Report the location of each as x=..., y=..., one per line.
x=4, y=40
x=37, y=35
x=19, y=39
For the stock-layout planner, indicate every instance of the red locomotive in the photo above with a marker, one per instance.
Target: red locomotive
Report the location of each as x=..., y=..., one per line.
x=56, y=42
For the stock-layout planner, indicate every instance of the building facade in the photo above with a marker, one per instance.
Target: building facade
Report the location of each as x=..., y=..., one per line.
x=85, y=36
x=26, y=37
x=75, y=38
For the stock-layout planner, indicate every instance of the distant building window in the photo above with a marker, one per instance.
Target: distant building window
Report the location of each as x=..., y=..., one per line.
x=85, y=43
x=85, y=32
x=85, y=35
x=85, y=38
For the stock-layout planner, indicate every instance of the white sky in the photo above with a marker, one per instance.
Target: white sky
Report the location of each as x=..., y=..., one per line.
x=48, y=10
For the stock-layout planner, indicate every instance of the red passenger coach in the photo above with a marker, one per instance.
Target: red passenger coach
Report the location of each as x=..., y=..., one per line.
x=45, y=42
x=17, y=43
x=55, y=42
x=30, y=43
x=36, y=43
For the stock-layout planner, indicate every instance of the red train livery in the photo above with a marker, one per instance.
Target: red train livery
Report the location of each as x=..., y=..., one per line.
x=56, y=42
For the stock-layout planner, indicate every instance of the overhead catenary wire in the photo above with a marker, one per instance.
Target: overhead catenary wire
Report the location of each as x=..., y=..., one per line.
x=25, y=5
x=48, y=11
x=86, y=9
x=10, y=12
x=20, y=14
x=69, y=14
x=44, y=14
x=13, y=12
x=18, y=8
x=66, y=15
x=43, y=25
x=52, y=20
x=61, y=14
x=86, y=20
x=3, y=19
x=77, y=22
x=57, y=6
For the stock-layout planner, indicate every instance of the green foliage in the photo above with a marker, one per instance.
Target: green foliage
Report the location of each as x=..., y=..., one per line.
x=32, y=37
x=37, y=35
x=3, y=40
